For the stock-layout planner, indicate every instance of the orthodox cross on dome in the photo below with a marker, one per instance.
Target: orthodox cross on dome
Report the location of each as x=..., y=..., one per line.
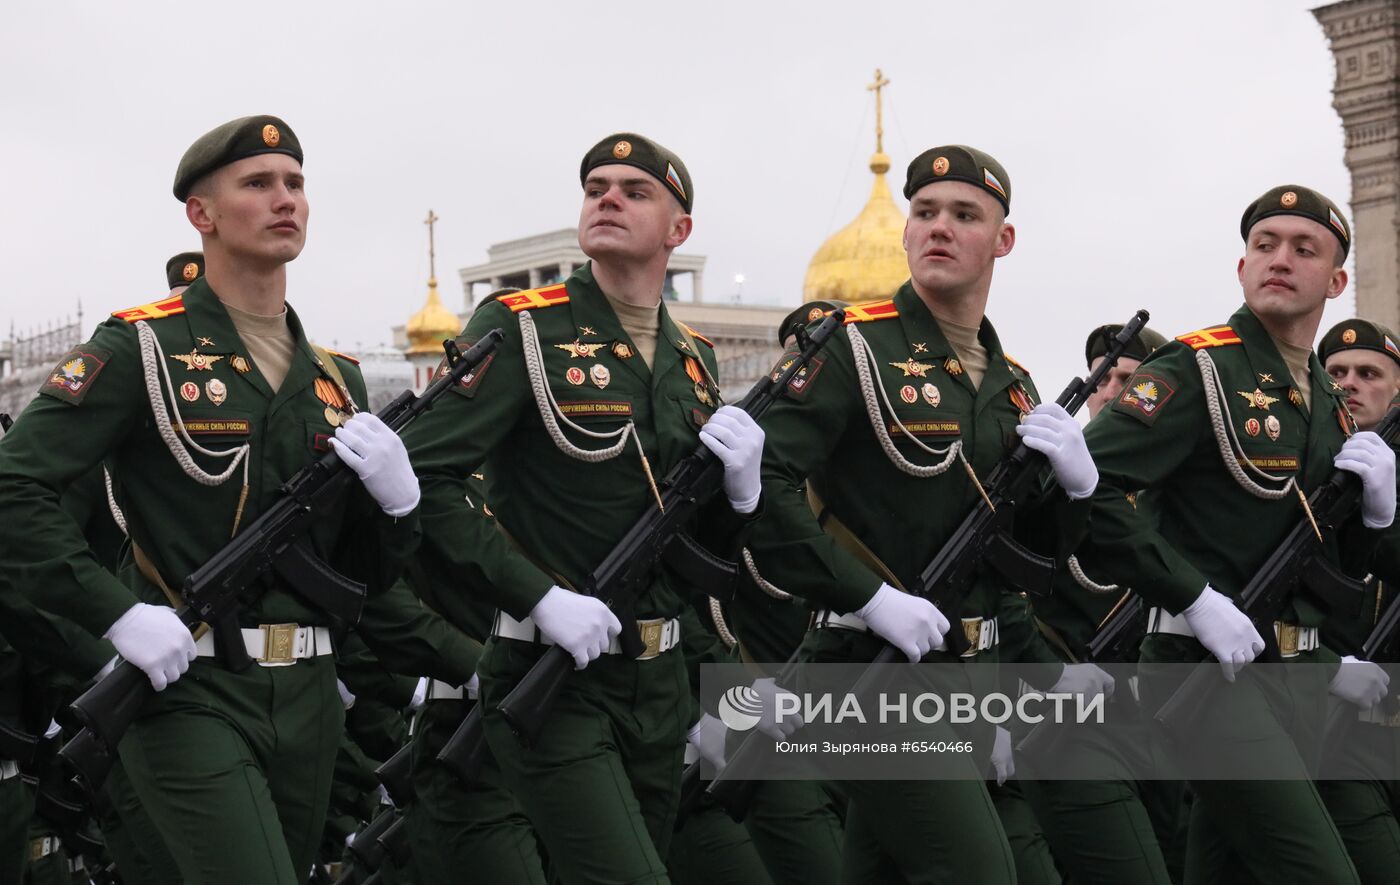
x=881, y=81
x=431, y=220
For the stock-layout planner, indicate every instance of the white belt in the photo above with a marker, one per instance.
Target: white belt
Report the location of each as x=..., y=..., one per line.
x=1377, y=716
x=276, y=645
x=43, y=846
x=1292, y=639
x=444, y=691
x=658, y=634
x=981, y=633
x=8, y=769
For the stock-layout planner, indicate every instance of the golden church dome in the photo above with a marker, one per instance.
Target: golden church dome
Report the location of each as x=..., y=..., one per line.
x=865, y=259
x=427, y=327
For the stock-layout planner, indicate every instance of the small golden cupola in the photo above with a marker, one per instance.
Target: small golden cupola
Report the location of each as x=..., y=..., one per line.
x=865, y=259
x=428, y=327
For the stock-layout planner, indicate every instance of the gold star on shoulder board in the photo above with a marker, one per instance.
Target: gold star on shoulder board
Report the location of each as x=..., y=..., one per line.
x=196, y=362
x=913, y=368
x=205, y=342
x=1258, y=399
x=579, y=350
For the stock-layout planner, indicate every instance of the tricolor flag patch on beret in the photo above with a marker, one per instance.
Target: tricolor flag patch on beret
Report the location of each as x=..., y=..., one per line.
x=1337, y=223
x=674, y=180
x=992, y=181
x=1391, y=348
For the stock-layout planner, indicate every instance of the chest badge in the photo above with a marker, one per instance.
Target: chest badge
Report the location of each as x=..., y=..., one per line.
x=205, y=342
x=574, y=376
x=1295, y=396
x=1251, y=427
x=586, y=330
x=920, y=347
x=196, y=362
x=240, y=365
x=578, y=350
x=909, y=394
x=952, y=366
x=1272, y=427
x=702, y=393
x=189, y=391
x=622, y=351
x=599, y=375
x=1258, y=399
x=931, y=394
x=912, y=368
x=216, y=390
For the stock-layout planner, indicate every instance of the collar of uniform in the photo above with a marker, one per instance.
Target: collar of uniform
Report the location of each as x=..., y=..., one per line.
x=305, y=367
x=589, y=309
x=1265, y=362
x=921, y=326
x=209, y=321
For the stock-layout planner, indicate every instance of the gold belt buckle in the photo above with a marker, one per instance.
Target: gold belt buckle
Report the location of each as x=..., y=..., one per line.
x=651, y=637
x=972, y=630
x=279, y=643
x=1287, y=639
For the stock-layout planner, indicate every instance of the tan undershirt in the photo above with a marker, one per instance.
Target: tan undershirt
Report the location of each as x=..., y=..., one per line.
x=1296, y=358
x=971, y=353
x=640, y=324
x=269, y=341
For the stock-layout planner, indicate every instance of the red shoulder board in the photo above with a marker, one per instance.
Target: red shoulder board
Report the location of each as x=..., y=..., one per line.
x=871, y=311
x=345, y=356
x=166, y=307
x=1215, y=336
x=533, y=299
x=697, y=335
x=1012, y=362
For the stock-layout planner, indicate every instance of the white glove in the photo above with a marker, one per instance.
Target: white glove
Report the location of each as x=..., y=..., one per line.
x=910, y=623
x=582, y=625
x=1360, y=682
x=1084, y=680
x=1002, y=761
x=1224, y=630
x=473, y=687
x=1053, y=432
x=378, y=457
x=737, y=440
x=768, y=723
x=420, y=694
x=347, y=697
x=1367, y=455
x=154, y=639
x=707, y=737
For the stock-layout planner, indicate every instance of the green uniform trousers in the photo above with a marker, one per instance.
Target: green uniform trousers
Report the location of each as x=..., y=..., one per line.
x=711, y=848
x=132, y=840
x=1035, y=865
x=1365, y=811
x=797, y=827
x=603, y=783
x=235, y=769
x=1254, y=830
x=16, y=807
x=456, y=828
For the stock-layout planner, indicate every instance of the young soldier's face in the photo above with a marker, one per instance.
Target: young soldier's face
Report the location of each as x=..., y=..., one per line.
x=1112, y=383
x=254, y=209
x=954, y=233
x=1289, y=267
x=1371, y=381
x=628, y=215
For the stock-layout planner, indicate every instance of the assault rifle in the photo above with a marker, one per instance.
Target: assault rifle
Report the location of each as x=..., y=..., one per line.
x=5, y=423
x=275, y=544
x=982, y=540
x=1299, y=563
x=1379, y=646
x=628, y=569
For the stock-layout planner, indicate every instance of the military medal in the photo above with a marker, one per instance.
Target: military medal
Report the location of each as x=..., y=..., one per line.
x=1258, y=399
x=240, y=365
x=909, y=394
x=216, y=390
x=1021, y=400
x=952, y=366
x=196, y=362
x=332, y=416
x=189, y=391
x=578, y=350
x=1272, y=427
x=913, y=368
x=622, y=351
x=1295, y=396
x=599, y=375
x=327, y=393
x=702, y=393
x=1251, y=427
x=574, y=376
x=931, y=394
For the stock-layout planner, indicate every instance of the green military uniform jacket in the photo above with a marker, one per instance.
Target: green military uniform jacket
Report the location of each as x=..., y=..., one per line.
x=1204, y=528
x=822, y=430
x=95, y=408
x=564, y=514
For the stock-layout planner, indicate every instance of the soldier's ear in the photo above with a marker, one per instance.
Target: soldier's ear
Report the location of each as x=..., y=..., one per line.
x=680, y=231
x=1338, y=283
x=1006, y=239
x=197, y=211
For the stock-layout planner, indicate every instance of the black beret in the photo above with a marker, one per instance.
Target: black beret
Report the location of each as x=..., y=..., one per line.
x=183, y=269
x=1139, y=348
x=631, y=149
x=804, y=316
x=1294, y=199
x=231, y=142
x=958, y=162
x=1358, y=334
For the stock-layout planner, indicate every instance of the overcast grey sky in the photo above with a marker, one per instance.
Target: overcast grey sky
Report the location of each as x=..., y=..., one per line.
x=1134, y=134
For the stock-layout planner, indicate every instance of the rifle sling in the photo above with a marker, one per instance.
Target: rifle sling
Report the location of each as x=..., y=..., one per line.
x=149, y=571
x=847, y=540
